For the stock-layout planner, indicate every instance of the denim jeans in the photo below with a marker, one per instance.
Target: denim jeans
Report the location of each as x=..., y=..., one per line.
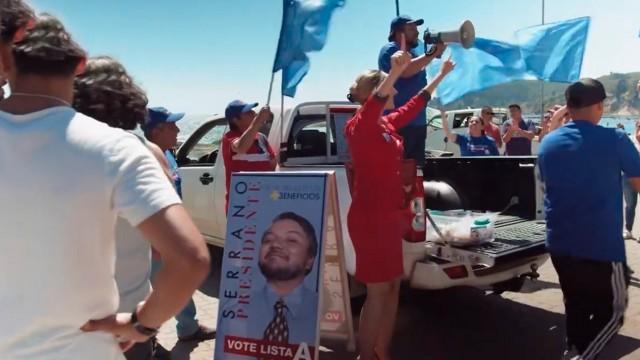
x=631, y=201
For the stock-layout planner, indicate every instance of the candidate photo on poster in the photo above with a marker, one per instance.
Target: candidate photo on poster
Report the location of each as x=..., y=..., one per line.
x=285, y=308
x=282, y=308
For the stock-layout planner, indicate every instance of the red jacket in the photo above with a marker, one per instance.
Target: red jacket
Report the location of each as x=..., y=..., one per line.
x=377, y=151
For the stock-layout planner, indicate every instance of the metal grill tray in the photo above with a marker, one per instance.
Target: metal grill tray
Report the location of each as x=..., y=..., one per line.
x=512, y=235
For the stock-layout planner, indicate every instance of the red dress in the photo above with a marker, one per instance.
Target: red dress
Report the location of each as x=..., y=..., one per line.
x=376, y=219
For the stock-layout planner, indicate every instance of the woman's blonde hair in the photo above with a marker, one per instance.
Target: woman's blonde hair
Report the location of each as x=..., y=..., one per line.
x=364, y=85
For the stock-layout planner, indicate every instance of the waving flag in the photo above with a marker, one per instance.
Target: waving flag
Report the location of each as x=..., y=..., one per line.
x=305, y=24
x=550, y=52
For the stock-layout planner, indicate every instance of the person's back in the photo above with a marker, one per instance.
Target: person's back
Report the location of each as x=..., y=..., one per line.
x=64, y=178
x=107, y=93
x=581, y=166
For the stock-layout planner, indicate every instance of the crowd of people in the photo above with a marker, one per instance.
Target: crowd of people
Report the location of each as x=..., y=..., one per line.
x=119, y=217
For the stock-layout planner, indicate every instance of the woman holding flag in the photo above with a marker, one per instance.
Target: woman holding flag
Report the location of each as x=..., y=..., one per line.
x=376, y=218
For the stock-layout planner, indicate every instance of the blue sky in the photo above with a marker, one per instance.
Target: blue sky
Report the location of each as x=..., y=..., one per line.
x=197, y=55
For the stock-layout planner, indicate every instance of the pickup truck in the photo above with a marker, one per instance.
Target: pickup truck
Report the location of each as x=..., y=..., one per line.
x=309, y=137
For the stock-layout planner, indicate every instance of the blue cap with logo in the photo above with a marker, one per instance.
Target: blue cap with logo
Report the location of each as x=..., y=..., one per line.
x=400, y=21
x=237, y=107
x=159, y=115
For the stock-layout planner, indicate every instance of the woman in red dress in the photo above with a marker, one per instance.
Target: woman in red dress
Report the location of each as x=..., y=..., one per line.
x=376, y=221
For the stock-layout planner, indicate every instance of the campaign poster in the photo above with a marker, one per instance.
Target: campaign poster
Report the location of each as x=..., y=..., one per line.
x=270, y=288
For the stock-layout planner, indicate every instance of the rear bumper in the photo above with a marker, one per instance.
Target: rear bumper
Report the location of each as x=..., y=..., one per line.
x=425, y=272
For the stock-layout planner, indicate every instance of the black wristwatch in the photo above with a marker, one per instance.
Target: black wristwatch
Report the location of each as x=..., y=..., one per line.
x=146, y=331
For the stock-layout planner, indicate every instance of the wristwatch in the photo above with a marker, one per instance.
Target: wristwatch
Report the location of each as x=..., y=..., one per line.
x=146, y=331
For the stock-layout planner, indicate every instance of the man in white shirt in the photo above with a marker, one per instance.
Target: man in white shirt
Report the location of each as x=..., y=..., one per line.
x=65, y=179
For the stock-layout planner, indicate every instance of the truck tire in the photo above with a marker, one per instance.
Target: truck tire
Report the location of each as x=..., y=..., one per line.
x=439, y=195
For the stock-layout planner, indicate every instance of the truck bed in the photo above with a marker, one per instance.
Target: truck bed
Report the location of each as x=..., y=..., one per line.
x=516, y=238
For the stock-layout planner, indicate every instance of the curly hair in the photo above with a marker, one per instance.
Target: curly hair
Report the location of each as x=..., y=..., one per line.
x=107, y=93
x=47, y=49
x=14, y=14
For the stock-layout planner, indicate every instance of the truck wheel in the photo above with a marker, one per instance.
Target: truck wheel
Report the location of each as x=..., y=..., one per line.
x=439, y=195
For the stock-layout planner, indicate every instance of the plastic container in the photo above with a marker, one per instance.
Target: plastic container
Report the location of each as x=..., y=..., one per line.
x=462, y=228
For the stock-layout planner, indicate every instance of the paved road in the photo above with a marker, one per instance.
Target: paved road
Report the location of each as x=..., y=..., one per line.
x=466, y=323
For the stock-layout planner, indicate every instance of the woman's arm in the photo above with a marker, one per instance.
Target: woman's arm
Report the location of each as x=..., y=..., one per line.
x=372, y=108
x=404, y=114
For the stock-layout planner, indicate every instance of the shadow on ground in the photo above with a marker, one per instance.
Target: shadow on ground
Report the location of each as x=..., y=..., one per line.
x=465, y=323
x=183, y=350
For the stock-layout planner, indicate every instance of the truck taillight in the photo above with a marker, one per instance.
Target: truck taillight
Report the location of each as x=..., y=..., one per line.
x=456, y=272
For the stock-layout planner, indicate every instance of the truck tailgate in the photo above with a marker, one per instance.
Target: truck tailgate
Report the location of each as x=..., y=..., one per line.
x=515, y=239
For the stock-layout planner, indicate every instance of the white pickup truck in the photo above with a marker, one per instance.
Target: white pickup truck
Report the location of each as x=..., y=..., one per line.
x=308, y=137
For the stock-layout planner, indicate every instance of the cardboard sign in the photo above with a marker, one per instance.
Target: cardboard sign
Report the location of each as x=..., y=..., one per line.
x=275, y=268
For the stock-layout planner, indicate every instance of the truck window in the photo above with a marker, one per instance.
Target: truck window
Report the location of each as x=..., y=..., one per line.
x=204, y=145
x=308, y=137
x=458, y=120
x=436, y=122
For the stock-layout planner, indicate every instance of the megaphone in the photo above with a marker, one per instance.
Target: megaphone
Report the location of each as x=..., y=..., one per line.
x=465, y=35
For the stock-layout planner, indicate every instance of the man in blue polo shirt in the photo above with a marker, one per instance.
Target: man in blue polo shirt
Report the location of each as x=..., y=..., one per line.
x=413, y=79
x=581, y=166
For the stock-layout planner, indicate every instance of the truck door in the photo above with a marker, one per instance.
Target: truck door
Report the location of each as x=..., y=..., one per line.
x=200, y=161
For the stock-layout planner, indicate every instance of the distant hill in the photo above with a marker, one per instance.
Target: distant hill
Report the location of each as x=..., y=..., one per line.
x=622, y=95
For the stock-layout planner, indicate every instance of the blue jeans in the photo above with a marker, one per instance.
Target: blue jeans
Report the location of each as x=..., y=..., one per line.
x=187, y=323
x=631, y=201
x=414, y=142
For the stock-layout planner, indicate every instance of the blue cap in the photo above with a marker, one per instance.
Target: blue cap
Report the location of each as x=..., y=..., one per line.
x=159, y=115
x=237, y=107
x=400, y=21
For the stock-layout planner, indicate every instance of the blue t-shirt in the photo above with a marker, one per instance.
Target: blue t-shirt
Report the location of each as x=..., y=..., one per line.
x=518, y=145
x=476, y=146
x=173, y=169
x=406, y=87
x=581, y=166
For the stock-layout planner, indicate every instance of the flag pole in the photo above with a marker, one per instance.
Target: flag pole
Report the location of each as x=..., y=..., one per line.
x=273, y=75
x=542, y=83
x=397, y=7
x=275, y=58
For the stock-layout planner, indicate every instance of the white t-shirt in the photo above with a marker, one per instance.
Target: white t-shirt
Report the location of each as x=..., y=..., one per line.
x=133, y=266
x=64, y=179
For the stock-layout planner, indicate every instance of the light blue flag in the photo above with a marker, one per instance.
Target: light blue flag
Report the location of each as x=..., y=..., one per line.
x=305, y=24
x=550, y=52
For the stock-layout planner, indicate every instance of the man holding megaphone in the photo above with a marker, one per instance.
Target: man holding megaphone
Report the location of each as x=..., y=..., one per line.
x=413, y=79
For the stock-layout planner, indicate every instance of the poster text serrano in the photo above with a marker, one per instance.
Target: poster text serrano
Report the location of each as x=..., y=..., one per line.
x=246, y=245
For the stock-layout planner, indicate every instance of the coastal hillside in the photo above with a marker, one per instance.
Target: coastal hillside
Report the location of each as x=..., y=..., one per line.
x=622, y=95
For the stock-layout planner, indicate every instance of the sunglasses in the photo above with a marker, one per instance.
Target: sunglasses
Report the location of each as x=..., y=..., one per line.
x=350, y=98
